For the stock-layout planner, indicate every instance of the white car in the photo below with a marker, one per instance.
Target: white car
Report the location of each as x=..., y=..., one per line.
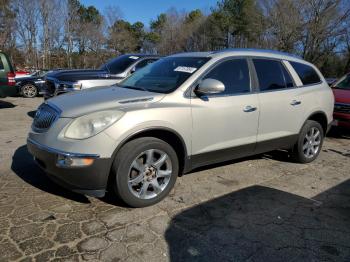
x=179, y=113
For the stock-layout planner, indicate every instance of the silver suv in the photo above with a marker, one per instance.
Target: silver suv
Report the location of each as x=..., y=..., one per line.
x=179, y=113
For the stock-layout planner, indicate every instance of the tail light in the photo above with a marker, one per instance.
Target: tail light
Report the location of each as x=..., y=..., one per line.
x=11, y=79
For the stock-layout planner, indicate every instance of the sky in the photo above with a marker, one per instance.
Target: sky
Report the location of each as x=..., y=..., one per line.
x=146, y=10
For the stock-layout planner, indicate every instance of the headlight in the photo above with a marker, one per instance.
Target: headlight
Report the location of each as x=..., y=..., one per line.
x=76, y=86
x=92, y=124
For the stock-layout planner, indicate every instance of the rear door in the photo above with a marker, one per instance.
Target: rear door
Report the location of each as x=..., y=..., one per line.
x=281, y=105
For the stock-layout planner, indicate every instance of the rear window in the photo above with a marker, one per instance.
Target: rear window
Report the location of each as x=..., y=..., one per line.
x=120, y=64
x=307, y=74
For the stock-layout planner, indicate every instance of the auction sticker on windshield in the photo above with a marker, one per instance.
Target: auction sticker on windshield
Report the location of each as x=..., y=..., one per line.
x=185, y=69
x=134, y=57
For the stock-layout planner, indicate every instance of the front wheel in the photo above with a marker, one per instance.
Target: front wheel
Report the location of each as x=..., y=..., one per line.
x=29, y=91
x=309, y=142
x=145, y=170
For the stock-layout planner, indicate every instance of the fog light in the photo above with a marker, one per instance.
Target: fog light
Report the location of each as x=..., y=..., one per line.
x=66, y=161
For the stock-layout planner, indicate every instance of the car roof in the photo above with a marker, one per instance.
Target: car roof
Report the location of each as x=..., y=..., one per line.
x=142, y=55
x=243, y=52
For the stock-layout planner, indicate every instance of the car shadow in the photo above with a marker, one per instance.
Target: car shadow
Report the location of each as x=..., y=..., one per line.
x=264, y=224
x=5, y=104
x=31, y=113
x=25, y=167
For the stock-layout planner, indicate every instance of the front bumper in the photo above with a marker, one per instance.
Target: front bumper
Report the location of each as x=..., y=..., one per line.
x=88, y=180
x=341, y=119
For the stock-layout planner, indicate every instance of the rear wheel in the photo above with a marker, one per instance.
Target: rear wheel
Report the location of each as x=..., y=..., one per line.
x=309, y=142
x=29, y=91
x=145, y=170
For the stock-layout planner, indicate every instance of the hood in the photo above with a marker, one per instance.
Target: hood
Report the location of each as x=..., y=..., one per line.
x=79, y=74
x=76, y=104
x=341, y=95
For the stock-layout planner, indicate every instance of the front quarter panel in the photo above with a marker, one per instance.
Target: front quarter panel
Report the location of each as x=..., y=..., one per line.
x=166, y=114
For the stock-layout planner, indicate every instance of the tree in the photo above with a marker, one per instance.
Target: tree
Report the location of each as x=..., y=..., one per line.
x=7, y=17
x=323, y=28
x=284, y=24
x=27, y=28
x=242, y=20
x=122, y=37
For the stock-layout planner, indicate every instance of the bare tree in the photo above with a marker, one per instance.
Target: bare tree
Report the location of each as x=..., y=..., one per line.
x=7, y=17
x=111, y=15
x=284, y=24
x=27, y=28
x=323, y=27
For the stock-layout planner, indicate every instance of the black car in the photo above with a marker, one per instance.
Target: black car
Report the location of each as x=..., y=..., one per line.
x=32, y=85
x=114, y=71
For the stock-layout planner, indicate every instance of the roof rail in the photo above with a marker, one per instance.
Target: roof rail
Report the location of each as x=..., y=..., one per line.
x=268, y=51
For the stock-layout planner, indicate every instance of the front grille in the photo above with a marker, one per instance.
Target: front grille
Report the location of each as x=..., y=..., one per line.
x=50, y=87
x=44, y=118
x=342, y=108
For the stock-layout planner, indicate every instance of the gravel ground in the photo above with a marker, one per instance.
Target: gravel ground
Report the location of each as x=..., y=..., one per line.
x=263, y=208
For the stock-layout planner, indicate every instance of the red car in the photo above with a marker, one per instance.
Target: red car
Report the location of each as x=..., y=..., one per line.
x=341, y=90
x=22, y=73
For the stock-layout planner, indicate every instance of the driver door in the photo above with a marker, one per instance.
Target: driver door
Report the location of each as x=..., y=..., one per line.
x=225, y=125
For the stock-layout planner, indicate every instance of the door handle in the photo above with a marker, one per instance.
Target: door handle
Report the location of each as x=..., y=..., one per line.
x=295, y=103
x=248, y=109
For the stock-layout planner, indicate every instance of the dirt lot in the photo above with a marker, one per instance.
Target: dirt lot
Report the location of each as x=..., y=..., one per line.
x=263, y=208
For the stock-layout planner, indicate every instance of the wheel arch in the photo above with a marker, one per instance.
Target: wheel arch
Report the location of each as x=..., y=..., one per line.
x=168, y=135
x=321, y=118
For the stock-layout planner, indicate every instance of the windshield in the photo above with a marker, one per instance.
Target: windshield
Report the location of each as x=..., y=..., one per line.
x=164, y=75
x=344, y=83
x=120, y=64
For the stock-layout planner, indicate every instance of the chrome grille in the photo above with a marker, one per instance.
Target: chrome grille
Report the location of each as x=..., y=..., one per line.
x=342, y=108
x=44, y=118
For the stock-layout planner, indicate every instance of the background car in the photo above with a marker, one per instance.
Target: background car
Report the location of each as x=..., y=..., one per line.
x=7, y=77
x=341, y=91
x=112, y=72
x=22, y=73
x=32, y=85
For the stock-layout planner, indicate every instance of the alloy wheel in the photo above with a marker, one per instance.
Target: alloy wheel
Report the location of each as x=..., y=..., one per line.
x=29, y=91
x=149, y=174
x=312, y=142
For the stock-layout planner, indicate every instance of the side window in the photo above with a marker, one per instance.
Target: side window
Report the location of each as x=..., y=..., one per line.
x=306, y=73
x=271, y=75
x=234, y=74
x=143, y=63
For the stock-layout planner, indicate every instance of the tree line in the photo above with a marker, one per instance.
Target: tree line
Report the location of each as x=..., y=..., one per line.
x=67, y=34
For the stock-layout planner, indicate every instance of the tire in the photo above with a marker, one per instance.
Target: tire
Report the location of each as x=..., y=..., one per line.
x=29, y=91
x=308, y=146
x=144, y=171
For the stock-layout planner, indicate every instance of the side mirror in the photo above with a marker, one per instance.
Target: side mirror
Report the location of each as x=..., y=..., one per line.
x=133, y=70
x=210, y=86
